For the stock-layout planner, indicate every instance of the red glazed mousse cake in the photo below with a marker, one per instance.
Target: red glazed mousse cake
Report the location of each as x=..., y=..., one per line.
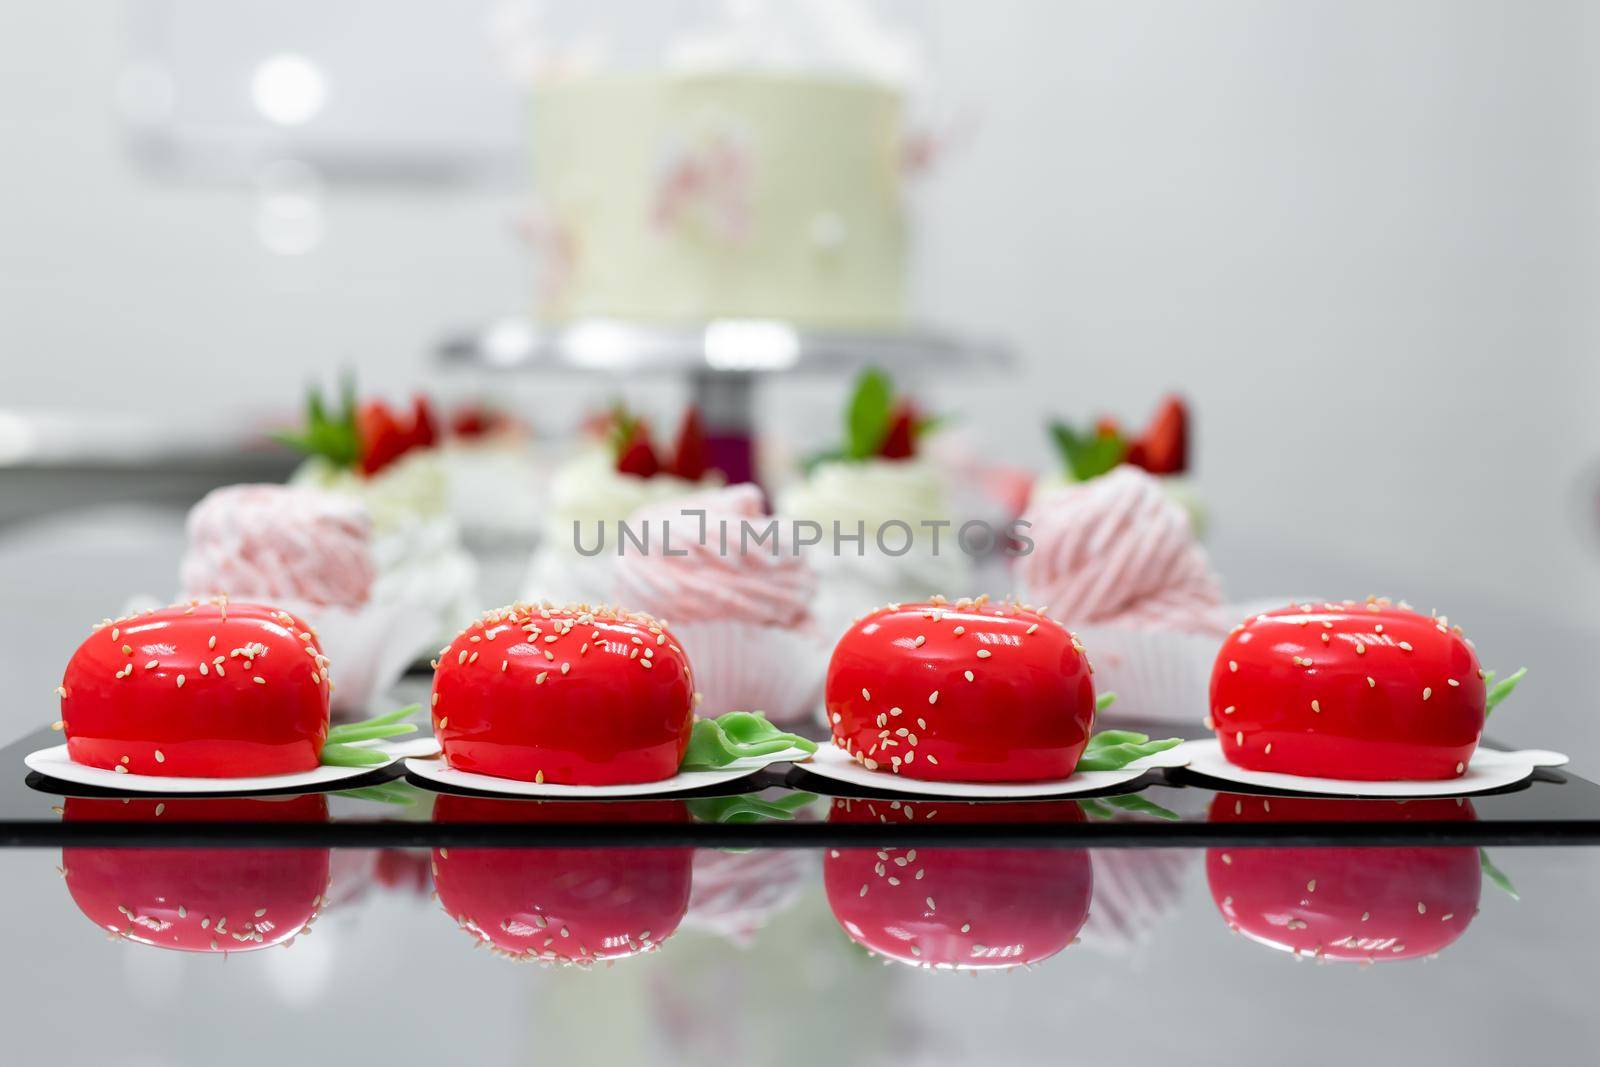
x=573, y=695
x=1369, y=691
x=961, y=691
x=208, y=689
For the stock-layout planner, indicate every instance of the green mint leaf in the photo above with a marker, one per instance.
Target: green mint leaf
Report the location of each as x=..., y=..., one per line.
x=866, y=420
x=1087, y=455
x=1500, y=691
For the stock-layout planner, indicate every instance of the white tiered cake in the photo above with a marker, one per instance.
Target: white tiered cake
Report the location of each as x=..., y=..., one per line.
x=681, y=198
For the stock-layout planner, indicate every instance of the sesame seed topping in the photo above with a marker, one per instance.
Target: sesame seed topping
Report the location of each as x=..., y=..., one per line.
x=968, y=675
x=864, y=694
x=160, y=756
x=1316, y=706
x=1406, y=645
x=984, y=653
x=259, y=680
x=1233, y=665
x=180, y=681
x=1427, y=691
x=933, y=697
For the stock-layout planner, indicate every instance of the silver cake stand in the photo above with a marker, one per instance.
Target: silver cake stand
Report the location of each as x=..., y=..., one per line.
x=723, y=360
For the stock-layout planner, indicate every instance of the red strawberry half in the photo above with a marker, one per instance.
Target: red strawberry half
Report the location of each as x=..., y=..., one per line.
x=1163, y=448
x=961, y=691
x=691, y=456
x=1367, y=904
x=573, y=695
x=199, y=900
x=1362, y=691
x=568, y=906
x=211, y=689
x=958, y=908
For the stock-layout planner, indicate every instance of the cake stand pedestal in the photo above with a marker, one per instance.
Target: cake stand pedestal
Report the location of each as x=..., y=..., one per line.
x=723, y=360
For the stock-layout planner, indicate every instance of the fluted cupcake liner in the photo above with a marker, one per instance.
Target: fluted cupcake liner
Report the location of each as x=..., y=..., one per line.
x=740, y=666
x=369, y=647
x=1161, y=675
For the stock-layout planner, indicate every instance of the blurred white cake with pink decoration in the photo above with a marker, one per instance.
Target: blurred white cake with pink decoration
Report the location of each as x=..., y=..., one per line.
x=751, y=166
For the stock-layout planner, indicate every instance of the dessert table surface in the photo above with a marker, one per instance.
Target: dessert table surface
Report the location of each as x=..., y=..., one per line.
x=763, y=961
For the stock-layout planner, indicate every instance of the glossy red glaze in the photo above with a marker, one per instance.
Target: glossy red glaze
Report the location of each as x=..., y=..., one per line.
x=198, y=900
x=1397, y=695
x=958, y=908
x=559, y=905
x=219, y=723
x=567, y=697
x=899, y=706
x=1367, y=904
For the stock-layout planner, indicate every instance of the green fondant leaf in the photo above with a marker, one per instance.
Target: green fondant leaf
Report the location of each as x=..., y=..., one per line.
x=718, y=742
x=1498, y=692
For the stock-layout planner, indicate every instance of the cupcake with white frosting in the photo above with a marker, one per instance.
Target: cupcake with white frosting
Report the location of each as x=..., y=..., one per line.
x=612, y=476
x=882, y=511
x=741, y=607
x=318, y=555
x=388, y=460
x=1117, y=560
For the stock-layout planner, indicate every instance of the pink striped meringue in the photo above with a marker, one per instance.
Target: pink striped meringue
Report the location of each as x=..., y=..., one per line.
x=1117, y=550
x=275, y=542
x=767, y=585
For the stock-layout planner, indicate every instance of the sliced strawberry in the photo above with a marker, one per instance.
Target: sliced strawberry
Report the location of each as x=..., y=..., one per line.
x=1163, y=448
x=900, y=441
x=963, y=691
x=568, y=696
x=382, y=437
x=958, y=908
x=1365, y=904
x=691, y=457
x=1362, y=691
x=205, y=690
x=637, y=457
x=424, y=425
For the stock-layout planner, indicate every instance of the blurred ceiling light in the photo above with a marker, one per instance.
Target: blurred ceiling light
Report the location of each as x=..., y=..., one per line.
x=751, y=344
x=288, y=89
x=508, y=342
x=601, y=345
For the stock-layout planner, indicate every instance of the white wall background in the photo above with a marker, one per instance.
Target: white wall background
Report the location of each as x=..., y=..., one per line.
x=1359, y=235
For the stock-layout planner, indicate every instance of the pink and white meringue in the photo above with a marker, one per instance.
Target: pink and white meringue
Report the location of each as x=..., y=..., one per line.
x=713, y=573
x=276, y=542
x=1116, y=550
x=741, y=610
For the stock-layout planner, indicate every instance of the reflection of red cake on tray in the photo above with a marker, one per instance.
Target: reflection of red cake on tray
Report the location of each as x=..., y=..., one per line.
x=577, y=906
x=199, y=899
x=1364, y=904
x=958, y=908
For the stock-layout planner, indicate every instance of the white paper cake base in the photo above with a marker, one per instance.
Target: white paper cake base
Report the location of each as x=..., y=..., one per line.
x=441, y=773
x=53, y=762
x=1487, y=770
x=831, y=762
